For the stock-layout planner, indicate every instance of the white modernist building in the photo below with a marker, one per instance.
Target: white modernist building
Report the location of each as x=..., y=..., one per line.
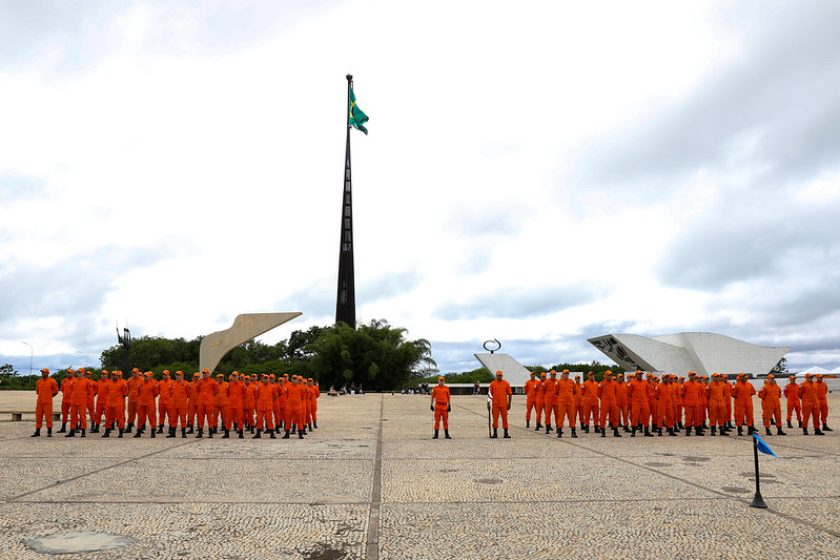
x=701, y=352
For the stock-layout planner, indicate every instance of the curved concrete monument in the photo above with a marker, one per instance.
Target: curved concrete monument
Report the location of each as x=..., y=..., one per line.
x=245, y=327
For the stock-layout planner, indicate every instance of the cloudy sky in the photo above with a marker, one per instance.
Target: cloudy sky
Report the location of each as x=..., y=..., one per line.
x=536, y=172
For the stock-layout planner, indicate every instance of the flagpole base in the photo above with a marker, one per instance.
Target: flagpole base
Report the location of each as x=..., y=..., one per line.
x=758, y=501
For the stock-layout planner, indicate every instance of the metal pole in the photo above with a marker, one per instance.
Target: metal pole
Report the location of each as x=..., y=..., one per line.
x=758, y=501
x=31, y=354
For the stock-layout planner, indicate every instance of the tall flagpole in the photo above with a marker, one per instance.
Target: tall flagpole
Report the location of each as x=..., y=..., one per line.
x=345, y=304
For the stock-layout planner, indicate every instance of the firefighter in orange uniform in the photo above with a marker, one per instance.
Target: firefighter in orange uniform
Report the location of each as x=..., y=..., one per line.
x=637, y=392
x=717, y=393
x=65, y=399
x=502, y=397
x=565, y=390
x=248, y=405
x=91, y=403
x=743, y=392
x=265, y=407
x=531, y=388
x=180, y=392
x=221, y=402
x=236, y=400
x=622, y=401
x=691, y=391
x=315, y=389
x=822, y=400
x=192, y=402
x=665, y=402
x=115, y=395
x=540, y=400
x=80, y=392
x=441, y=406
x=793, y=403
x=164, y=403
x=133, y=383
x=771, y=405
x=45, y=390
x=101, y=400
x=146, y=393
x=294, y=408
x=810, y=405
x=206, y=390
x=550, y=399
x=608, y=405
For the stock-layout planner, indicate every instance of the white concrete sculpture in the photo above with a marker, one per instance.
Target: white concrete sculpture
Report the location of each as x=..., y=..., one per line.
x=515, y=373
x=245, y=327
x=701, y=352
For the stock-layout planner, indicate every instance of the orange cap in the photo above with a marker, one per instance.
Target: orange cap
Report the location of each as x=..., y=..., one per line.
x=45, y=370
x=771, y=376
x=542, y=375
x=440, y=378
x=135, y=369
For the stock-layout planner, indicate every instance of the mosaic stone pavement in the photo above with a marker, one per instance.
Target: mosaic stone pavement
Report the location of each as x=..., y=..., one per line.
x=370, y=483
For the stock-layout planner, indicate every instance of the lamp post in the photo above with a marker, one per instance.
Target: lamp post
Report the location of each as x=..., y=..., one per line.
x=31, y=355
x=125, y=340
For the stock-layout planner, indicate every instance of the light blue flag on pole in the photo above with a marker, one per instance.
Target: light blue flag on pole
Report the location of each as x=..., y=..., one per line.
x=763, y=447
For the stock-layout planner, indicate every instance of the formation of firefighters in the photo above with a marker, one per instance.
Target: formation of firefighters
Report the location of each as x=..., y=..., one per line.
x=649, y=404
x=265, y=404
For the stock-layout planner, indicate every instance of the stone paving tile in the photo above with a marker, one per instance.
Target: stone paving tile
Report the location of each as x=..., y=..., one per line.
x=92, y=446
x=477, y=448
x=525, y=480
x=699, y=529
x=230, y=531
x=21, y=475
x=260, y=480
x=312, y=448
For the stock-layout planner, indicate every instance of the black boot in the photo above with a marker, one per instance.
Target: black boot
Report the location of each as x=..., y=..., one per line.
x=138, y=434
x=227, y=434
x=37, y=433
x=615, y=432
x=94, y=429
x=772, y=421
x=779, y=431
x=63, y=428
x=496, y=433
x=548, y=428
x=633, y=433
x=300, y=434
x=190, y=429
x=714, y=433
x=626, y=430
x=128, y=429
x=818, y=432
x=258, y=436
x=671, y=432
x=804, y=431
x=647, y=432
x=287, y=435
x=160, y=428
x=107, y=433
x=71, y=433
x=151, y=431
x=559, y=433
x=49, y=432
x=183, y=433
x=603, y=433
x=688, y=430
x=538, y=428
x=171, y=432
x=446, y=434
x=241, y=435
x=659, y=431
x=83, y=433
x=527, y=423
x=740, y=430
x=271, y=435
x=800, y=424
x=507, y=435
x=436, y=435
x=121, y=433
x=315, y=425
x=826, y=428
x=790, y=426
x=767, y=432
x=751, y=430
x=574, y=432
x=199, y=434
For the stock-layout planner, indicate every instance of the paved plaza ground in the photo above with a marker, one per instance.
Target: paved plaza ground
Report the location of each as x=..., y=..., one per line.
x=370, y=483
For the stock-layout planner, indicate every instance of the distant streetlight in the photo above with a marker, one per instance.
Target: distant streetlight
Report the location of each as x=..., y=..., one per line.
x=31, y=355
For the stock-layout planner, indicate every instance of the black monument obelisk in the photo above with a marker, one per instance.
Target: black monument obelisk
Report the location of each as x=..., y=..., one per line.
x=345, y=303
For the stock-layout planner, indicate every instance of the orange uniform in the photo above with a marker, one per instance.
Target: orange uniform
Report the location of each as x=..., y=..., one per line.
x=205, y=390
x=250, y=405
x=45, y=389
x=665, y=402
x=441, y=400
x=589, y=402
x=180, y=393
x=294, y=408
x=101, y=396
x=164, y=401
x=549, y=387
x=316, y=394
x=80, y=393
x=91, y=402
x=236, y=403
x=539, y=396
x=623, y=402
x=810, y=403
x=192, y=402
x=717, y=393
x=147, y=391
x=771, y=403
x=639, y=405
x=564, y=404
x=133, y=383
x=531, y=389
x=822, y=400
x=65, y=398
x=222, y=409
x=609, y=404
x=793, y=403
x=743, y=392
x=266, y=394
x=499, y=391
x=691, y=391
x=117, y=391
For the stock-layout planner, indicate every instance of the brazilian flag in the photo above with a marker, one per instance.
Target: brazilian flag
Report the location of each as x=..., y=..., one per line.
x=356, y=118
